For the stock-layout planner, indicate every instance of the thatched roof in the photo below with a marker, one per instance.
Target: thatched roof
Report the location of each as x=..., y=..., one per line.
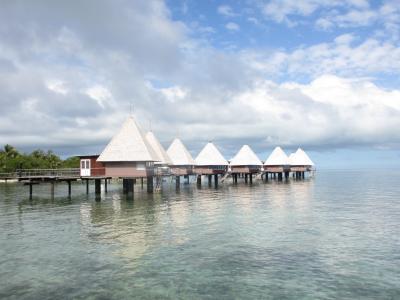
x=128, y=145
x=277, y=158
x=210, y=156
x=162, y=155
x=245, y=157
x=179, y=155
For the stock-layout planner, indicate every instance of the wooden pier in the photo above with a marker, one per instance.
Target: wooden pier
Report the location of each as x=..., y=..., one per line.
x=31, y=177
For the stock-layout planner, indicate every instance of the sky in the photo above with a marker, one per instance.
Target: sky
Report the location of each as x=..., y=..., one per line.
x=318, y=74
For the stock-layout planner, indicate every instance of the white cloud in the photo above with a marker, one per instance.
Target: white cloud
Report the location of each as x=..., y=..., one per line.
x=226, y=10
x=57, y=86
x=94, y=73
x=232, y=26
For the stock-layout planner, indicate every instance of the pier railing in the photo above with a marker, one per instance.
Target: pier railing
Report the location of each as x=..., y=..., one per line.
x=42, y=173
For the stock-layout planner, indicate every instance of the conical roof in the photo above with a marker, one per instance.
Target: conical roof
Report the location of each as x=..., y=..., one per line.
x=245, y=157
x=129, y=144
x=179, y=155
x=277, y=158
x=162, y=156
x=210, y=156
x=300, y=158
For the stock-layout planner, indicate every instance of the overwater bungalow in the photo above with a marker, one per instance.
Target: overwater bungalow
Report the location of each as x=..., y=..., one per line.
x=129, y=155
x=245, y=162
x=163, y=160
x=277, y=163
x=210, y=162
x=182, y=162
x=300, y=163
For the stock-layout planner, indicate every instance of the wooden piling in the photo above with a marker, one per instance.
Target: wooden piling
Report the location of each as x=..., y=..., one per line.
x=97, y=186
x=216, y=180
x=52, y=189
x=87, y=186
x=245, y=178
x=251, y=178
x=209, y=180
x=69, y=187
x=177, y=182
x=280, y=177
x=150, y=184
x=105, y=185
x=199, y=180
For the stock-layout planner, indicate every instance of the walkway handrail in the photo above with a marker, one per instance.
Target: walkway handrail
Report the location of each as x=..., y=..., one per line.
x=71, y=172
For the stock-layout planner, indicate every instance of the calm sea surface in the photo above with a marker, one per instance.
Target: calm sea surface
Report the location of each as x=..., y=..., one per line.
x=335, y=236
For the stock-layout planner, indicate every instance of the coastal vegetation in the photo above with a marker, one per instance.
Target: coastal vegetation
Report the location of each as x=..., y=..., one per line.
x=11, y=160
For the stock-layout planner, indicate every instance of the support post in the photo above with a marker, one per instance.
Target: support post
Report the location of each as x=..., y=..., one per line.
x=150, y=184
x=52, y=189
x=274, y=175
x=266, y=176
x=130, y=186
x=286, y=175
x=251, y=178
x=87, y=186
x=69, y=188
x=30, y=191
x=302, y=175
x=245, y=178
x=198, y=180
x=216, y=180
x=105, y=185
x=280, y=176
x=209, y=180
x=97, y=186
x=124, y=186
x=177, y=182
x=141, y=182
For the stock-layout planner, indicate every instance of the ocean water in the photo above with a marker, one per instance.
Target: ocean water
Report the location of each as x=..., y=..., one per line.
x=334, y=236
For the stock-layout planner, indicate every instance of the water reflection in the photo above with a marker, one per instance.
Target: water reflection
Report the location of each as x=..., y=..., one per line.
x=287, y=239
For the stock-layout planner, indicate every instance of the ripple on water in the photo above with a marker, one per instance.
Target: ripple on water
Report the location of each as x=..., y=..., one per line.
x=332, y=237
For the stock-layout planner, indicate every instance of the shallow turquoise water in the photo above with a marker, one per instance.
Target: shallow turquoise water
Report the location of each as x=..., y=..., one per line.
x=335, y=236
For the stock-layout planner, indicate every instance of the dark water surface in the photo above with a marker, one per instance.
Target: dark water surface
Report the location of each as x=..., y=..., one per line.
x=335, y=236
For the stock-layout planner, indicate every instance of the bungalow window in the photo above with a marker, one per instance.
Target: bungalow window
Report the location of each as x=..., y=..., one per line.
x=140, y=166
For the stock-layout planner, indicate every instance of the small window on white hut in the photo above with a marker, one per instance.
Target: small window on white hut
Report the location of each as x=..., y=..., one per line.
x=82, y=164
x=140, y=166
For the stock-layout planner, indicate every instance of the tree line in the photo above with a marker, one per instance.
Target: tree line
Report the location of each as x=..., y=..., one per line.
x=11, y=160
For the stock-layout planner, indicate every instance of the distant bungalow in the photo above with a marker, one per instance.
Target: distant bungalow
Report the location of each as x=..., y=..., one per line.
x=182, y=162
x=245, y=162
x=129, y=155
x=277, y=163
x=210, y=162
x=163, y=160
x=300, y=163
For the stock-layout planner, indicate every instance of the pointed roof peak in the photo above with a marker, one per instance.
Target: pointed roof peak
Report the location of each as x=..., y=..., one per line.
x=162, y=156
x=179, y=154
x=245, y=157
x=300, y=158
x=278, y=157
x=210, y=156
x=128, y=144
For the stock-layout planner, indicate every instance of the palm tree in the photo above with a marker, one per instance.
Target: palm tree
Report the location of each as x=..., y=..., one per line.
x=10, y=151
